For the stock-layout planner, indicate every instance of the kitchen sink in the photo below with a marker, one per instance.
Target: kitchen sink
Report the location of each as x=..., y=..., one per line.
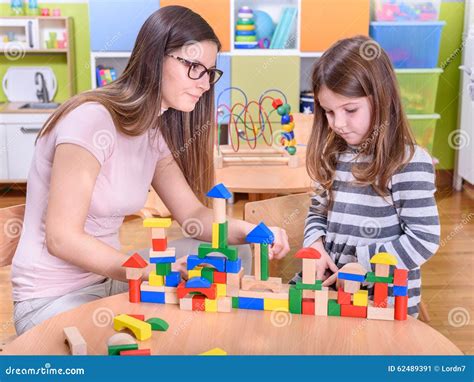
x=40, y=105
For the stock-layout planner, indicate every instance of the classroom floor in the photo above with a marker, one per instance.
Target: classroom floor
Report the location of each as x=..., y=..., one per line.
x=448, y=282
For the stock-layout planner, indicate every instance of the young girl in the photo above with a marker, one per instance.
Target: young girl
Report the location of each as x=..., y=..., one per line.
x=374, y=186
x=97, y=156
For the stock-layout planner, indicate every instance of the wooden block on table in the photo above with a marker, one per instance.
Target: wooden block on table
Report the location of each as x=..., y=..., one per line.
x=343, y=298
x=196, y=272
x=400, y=277
x=140, y=329
x=158, y=233
x=307, y=306
x=308, y=293
x=151, y=288
x=220, y=277
x=224, y=304
x=309, y=271
x=171, y=298
x=353, y=311
x=116, y=349
x=332, y=294
x=75, y=341
x=296, y=300
x=199, y=303
x=133, y=273
x=221, y=290
x=155, y=280
x=273, y=283
x=186, y=303
x=380, y=294
x=351, y=286
x=121, y=339
x=157, y=222
x=401, y=308
x=219, y=210
x=361, y=298
x=158, y=324
x=215, y=351
x=382, y=270
x=159, y=244
x=321, y=302
x=283, y=294
x=276, y=304
x=375, y=313
x=334, y=309
x=169, y=252
x=135, y=352
x=134, y=290
x=210, y=305
x=251, y=303
x=234, y=280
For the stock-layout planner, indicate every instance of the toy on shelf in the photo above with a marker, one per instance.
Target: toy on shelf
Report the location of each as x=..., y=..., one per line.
x=406, y=10
x=258, y=135
x=245, y=34
x=264, y=28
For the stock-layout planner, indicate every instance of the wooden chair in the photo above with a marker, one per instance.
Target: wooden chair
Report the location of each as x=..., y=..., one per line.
x=289, y=212
x=11, y=222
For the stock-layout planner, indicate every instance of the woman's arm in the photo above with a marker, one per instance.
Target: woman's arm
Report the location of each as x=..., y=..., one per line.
x=73, y=178
x=173, y=189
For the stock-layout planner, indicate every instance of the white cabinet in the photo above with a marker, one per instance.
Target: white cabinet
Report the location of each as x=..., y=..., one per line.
x=18, y=133
x=19, y=31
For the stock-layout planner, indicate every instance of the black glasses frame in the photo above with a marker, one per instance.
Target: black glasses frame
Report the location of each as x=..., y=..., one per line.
x=213, y=78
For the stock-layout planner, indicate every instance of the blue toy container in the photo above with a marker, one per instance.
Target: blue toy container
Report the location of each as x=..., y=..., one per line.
x=409, y=44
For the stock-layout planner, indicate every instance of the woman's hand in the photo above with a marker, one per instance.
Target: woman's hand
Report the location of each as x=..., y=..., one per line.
x=280, y=247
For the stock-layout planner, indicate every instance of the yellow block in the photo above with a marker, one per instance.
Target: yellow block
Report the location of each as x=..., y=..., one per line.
x=245, y=27
x=215, y=351
x=155, y=280
x=384, y=258
x=221, y=290
x=141, y=329
x=157, y=222
x=210, y=305
x=196, y=272
x=361, y=298
x=274, y=304
x=215, y=235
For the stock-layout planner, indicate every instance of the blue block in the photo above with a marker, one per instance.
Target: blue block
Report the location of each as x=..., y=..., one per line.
x=172, y=279
x=162, y=260
x=217, y=262
x=350, y=277
x=198, y=282
x=156, y=297
x=400, y=290
x=233, y=266
x=250, y=303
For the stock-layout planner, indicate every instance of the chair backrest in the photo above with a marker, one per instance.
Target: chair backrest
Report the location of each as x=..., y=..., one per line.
x=11, y=223
x=287, y=212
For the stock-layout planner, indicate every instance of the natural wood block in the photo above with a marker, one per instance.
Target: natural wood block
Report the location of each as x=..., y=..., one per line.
x=273, y=283
x=75, y=341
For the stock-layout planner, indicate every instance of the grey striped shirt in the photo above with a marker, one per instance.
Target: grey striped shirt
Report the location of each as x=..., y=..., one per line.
x=361, y=223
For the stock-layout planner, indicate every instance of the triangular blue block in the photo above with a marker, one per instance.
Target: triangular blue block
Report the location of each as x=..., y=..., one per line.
x=261, y=234
x=219, y=191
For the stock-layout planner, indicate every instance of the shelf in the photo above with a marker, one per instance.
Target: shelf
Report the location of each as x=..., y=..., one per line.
x=39, y=51
x=110, y=54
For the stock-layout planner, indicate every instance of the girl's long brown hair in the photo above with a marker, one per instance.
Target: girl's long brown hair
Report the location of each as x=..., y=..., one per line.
x=358, y=67
x=134, y=99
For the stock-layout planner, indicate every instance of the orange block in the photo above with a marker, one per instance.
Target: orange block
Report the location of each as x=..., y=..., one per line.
x=308, y=306
x=323, y=22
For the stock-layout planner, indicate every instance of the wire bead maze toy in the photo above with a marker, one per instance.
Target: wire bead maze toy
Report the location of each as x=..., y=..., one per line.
x=265, y=146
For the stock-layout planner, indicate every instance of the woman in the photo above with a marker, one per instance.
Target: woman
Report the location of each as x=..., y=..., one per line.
x=97, y=156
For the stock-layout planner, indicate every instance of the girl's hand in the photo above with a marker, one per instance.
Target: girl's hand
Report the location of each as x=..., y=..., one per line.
x=324, y=263
x=280, y=247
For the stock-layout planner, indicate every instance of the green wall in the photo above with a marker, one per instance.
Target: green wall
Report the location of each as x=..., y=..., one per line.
x=448, y=89
x=80, y=14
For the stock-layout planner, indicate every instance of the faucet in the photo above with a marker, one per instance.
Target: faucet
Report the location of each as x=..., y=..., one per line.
x=42, y=93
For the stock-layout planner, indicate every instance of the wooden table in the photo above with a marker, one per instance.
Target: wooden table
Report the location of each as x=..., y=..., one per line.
x=238, y=332
x=272, y=179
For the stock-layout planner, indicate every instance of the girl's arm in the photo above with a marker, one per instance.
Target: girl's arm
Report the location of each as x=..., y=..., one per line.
x=316, y=222
x=172, y=187
x=413, y=191
x=73, y=177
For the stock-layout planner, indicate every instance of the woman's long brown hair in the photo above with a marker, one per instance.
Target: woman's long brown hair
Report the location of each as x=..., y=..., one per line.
x=134, y=99
x=358, y=67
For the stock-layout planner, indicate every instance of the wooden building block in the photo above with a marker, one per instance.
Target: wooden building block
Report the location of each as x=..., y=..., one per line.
x=308, y=293
x=134, y=290
x=159, y=244
x=276, y=304
x=400, y=277
x=353, y=311
x=296, y=300
x=186, y=303
x=158, y=234
x=351, y=286
x=332, y=294
x=137, y=316
x=282, y=295
x=199, y=303
x=224, y=304
x=361, y=298
x=375, y=313
x=75, y=341
x=135, y=352
x=215, y=235
x=210, y=305
x=307, y=306
x=334, y=309
x=116, y=349
x=145, y=286
x=208, y=274
x=251, y=303
x=221, y=290
x=196, y=272
x=155, y=280
x=343, y=298
x=401, y=308
x=382, y=270
x=171, y=298
x=219, y=210
x=209, y=292
x=309, y=271
x=169, y=252
x=220, y=277
x=158, y=324
x=140, y=329
x=152, y=297
x=256, y=262
x=380, y=294
x=321, y=302
x=264, y=262
x=250, y=283
x=133, y=273
x=121, y=339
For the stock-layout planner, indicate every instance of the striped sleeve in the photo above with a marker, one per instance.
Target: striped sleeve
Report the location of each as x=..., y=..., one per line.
x=412, y=189
x=316, y=222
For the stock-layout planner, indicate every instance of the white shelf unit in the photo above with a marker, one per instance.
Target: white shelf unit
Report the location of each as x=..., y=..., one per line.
x=118, y=60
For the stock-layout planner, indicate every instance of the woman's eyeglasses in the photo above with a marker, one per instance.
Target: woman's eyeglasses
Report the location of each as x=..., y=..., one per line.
x=197, y=70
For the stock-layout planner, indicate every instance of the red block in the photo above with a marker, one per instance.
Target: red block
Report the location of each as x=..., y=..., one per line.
x=400, y=277
x=136, y=352
x=401, y=308
x=353, y=311
x=308, y=306
x=198, y=302
x=159, y=244
x=137, y=316
x=220, y=277
x=380, y=295
x=343, y=298
x=134, y=290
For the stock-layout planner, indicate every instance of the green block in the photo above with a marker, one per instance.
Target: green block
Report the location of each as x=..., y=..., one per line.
x=163, y=269
x=245, y=22
x=264, y=261
x=206, y=248
x=317, y=286
x=208, y=274
x=334, y=309
x=235, y=302
x=371, y=278
x=296, y=300
x=245, y=38
x=223, y=235
x=116, y=349
x=158, y=324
